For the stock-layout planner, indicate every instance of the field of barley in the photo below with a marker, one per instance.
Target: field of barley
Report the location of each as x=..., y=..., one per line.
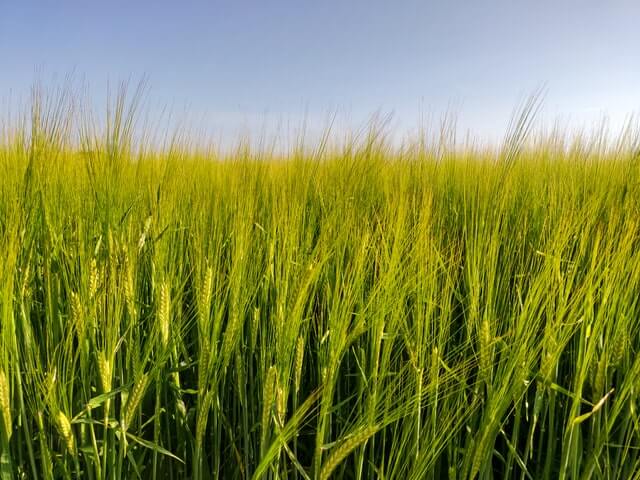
x=356, y=311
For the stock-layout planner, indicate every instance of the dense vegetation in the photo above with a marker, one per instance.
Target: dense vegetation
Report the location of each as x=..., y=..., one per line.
x=354, y=312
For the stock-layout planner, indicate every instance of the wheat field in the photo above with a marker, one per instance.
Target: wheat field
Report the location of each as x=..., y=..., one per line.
x=356, y=311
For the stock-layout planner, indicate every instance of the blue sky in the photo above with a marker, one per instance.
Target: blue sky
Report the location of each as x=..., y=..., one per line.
x=239, y=63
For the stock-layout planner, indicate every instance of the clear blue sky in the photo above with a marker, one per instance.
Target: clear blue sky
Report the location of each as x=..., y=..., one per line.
x=230, y=62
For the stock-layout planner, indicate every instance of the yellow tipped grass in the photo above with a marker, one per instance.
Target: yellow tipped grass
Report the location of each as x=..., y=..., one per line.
x=352, y=308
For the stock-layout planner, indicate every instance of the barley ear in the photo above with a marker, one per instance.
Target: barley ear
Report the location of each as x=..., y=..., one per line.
x=77, y=315
x=485, y=351
x=93, y=279
x=5, y=404
x=268, y=395
x=64, y=427
x=164, y=312
x=204, y=299
x=346, y=447
x=231, y=336
x=600, y=376
x=281, y=406
x=203, y=363
x=134, y=400
x=298, y=363
x=619, y=348
x=104, y=371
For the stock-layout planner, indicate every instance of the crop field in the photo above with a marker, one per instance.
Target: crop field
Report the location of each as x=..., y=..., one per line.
x=353, y=311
